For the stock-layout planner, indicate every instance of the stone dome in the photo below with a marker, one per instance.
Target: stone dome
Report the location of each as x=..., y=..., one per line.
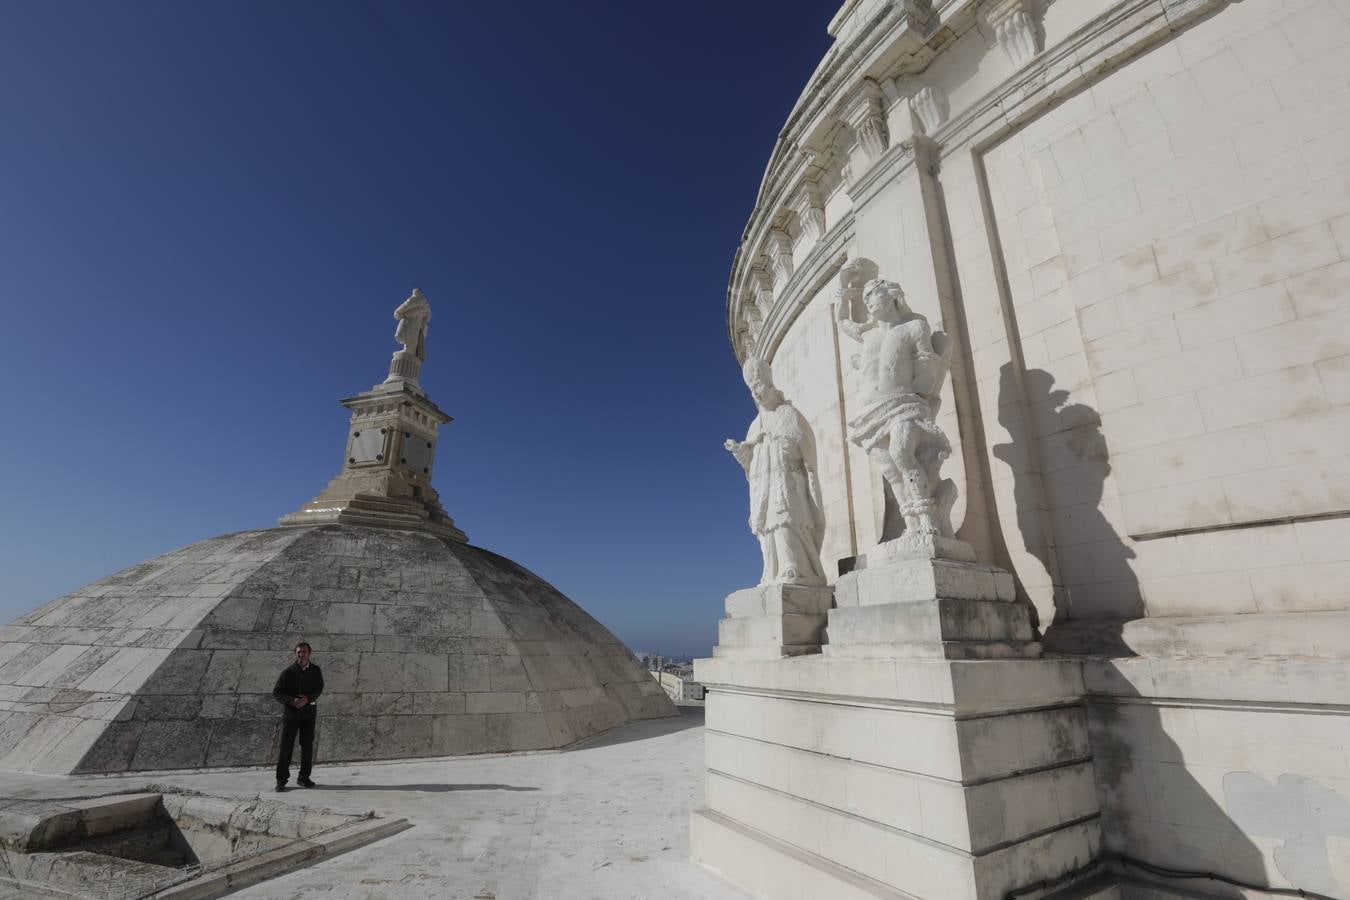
x=428, y=646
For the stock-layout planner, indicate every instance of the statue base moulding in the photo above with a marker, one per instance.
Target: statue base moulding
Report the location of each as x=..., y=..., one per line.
x=771, y=621
x=929, y=751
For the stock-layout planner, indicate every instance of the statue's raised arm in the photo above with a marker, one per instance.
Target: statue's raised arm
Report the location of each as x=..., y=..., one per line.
x=852, y=277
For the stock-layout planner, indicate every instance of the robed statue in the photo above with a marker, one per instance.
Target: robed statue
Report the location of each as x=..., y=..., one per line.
x=413, y=315
x=779, y=458
x=903, y=363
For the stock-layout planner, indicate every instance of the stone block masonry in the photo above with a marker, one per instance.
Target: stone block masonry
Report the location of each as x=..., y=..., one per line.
x=429, y=646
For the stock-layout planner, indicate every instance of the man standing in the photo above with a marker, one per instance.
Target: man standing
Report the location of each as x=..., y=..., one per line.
x=299, y=685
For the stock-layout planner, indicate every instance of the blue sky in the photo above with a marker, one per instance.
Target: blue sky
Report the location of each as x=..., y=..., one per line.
x=208, y=212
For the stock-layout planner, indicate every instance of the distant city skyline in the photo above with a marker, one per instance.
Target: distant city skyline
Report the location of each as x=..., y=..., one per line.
x=212, y=212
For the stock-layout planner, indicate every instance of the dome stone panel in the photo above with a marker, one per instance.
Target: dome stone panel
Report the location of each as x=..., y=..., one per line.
x=429, y=647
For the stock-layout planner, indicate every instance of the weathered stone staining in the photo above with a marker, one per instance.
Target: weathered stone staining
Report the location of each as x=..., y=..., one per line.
x=1133, y=221
x=430, y=646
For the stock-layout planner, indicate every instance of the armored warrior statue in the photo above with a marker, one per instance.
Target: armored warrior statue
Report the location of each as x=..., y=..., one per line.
x=903, y=364
x=779, y=458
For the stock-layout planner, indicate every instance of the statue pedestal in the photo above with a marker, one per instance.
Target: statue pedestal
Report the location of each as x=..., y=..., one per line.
x=897, y=603
x=771, y=621
x=928, y=751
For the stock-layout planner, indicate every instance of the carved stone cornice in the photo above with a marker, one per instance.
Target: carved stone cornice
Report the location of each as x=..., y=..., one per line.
x=810, y=209
x=1014, y=25
x=817, y=267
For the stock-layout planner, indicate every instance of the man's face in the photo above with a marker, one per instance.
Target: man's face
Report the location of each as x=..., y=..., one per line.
x=877, y=300
x=302, y=655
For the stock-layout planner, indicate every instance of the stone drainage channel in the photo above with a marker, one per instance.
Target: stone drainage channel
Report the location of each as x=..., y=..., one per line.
x=166, y=844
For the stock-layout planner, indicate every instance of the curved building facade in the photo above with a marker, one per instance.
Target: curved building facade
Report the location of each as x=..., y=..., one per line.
x=1134, y=220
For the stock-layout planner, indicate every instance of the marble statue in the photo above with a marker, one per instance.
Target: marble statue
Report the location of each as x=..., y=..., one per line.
x=903, y=364
x=413, y=315
x=779, y=458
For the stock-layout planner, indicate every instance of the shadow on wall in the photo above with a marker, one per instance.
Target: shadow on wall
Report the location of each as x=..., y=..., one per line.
x=1158, y=806
x=1057, y=492
x=1157, y=811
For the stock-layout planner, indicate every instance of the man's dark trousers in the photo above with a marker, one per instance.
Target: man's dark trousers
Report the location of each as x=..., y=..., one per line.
x=297, y=722
x=294, y=682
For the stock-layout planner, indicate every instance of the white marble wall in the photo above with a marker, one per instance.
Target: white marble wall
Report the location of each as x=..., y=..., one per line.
x=1169, y=246
x=1142, y=233
x=1171, y=243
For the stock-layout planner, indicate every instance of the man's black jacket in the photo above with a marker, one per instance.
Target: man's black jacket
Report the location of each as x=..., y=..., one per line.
x=295, y=681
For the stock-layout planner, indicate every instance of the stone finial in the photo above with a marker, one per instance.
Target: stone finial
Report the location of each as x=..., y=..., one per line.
x=385, y=480
x=413, y=315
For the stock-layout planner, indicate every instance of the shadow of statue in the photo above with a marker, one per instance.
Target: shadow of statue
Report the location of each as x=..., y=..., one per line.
x=1172, y=817
x=1059, y=462
x=1158, y=810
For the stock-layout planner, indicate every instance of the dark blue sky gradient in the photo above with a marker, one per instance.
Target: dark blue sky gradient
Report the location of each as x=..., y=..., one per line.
x=208, y=212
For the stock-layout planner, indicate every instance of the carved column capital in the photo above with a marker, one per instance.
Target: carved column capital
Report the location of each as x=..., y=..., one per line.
x=754, y=322
x=762, y=286
x=780, y=255
x=916, y=13
x=866, y=116
x=1015, y=28
x=927, y=107
x=810, y=210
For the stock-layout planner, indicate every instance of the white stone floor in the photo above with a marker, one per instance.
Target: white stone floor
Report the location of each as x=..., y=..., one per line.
x=606, y=821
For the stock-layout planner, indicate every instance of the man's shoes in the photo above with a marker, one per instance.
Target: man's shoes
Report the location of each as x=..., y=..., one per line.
x=305, y=783
x=281, y=787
